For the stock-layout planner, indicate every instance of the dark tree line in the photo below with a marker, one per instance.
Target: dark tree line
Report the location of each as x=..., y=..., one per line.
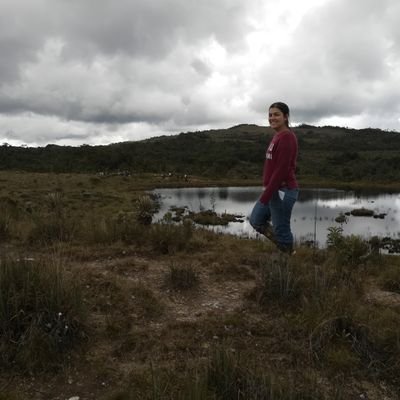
x=238, y=152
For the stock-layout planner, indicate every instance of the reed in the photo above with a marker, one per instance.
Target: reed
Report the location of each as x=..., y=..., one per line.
x=41, y=312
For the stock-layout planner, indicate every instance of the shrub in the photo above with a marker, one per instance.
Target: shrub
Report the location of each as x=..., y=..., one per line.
x=144, y=210
x=230, y=375
x=97, y=230
x=390, y=279
x=367, y=338
x=351, y=250
x=8, y=213
x=335, y=238
x=168, y=238
x=40, y=313
x=121, y=227
x=5, y=221
x=128, y=229
x=52, y=223
x=362, y=212
x=147, y=303
x=279, y=282
x=226, y=375
x=182, y=278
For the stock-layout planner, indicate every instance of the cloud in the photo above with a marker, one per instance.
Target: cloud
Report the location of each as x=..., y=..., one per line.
x=342, y=62
x=38, y=130
x=95, y=62
x=147, y=28
x=98, y=70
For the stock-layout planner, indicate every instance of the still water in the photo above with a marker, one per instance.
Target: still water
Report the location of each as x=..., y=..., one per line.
x=314, y=212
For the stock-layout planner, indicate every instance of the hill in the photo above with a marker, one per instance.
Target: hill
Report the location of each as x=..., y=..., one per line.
x=326, y=154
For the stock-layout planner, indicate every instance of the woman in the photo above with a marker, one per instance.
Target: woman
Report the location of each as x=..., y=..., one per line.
x=280, y=185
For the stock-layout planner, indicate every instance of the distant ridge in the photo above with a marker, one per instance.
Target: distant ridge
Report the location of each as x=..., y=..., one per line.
x=326, y=153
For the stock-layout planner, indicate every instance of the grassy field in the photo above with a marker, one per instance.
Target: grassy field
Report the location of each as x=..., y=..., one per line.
x=97, y=302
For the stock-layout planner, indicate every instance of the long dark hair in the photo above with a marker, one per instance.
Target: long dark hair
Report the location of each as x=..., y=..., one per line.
x=283, y=107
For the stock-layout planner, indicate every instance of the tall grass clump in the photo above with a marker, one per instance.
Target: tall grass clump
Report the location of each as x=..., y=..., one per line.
x=280, y=282
x=96, y=230
x=5, y=225
x=365, y=341
x=167, y=238
x=182, y=277
x=351, y=250
x=145, y=209
x=8, y=213
x=41, y=313
x=390, y=278
x=231, y=375
x=318, y=288
x=130, y=229
x=224, y=375
x=121, y=227
x=52, y=223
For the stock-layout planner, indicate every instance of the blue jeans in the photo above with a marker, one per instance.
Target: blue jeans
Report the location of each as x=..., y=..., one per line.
x=278, y=211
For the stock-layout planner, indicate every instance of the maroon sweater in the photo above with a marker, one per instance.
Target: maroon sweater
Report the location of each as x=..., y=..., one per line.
x=280, y=164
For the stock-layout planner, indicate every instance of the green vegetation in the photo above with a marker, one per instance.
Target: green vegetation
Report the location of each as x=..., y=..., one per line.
x=41, y=313
x=362, y=212
x=97, y=302
x=182, y=277
x=209, y=217
x=328, y=156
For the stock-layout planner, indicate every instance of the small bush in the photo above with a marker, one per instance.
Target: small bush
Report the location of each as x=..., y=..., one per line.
x=390, y=279
x=5, y=221
x=351, y=250
x=335, y=238
x=362, y=212
x=369, y=339
x=8, y=213
x=225, y=376
x=97, y=230
x=40, y=313
x=147, y=302
x=48, y=228
x=168, y=238
x=210, y=217
x=52, y=223
x=182, y=278
x=145, y=209
x=121, y=227
x=279, y=282
x=230, y=375
x=128, y=229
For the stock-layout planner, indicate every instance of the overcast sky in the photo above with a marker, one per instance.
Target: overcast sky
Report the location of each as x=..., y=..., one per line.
x=105, y=71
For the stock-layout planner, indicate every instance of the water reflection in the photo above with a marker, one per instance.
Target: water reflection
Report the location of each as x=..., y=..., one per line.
x=313, y=214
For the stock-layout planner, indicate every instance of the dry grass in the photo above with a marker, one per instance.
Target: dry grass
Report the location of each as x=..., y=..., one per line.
x=41, y=313
x=182, y=277
x=177, y=312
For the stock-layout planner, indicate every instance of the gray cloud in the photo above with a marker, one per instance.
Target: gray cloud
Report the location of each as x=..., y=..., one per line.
x=98, y=70
x=94, y=61
x=337, y=64
x=21, y=35
x=147, y=28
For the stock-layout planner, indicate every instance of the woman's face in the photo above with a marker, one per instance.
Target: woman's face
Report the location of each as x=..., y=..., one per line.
x=277, y=120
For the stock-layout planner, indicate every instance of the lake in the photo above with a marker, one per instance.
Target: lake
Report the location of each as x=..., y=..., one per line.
x=314, y=212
